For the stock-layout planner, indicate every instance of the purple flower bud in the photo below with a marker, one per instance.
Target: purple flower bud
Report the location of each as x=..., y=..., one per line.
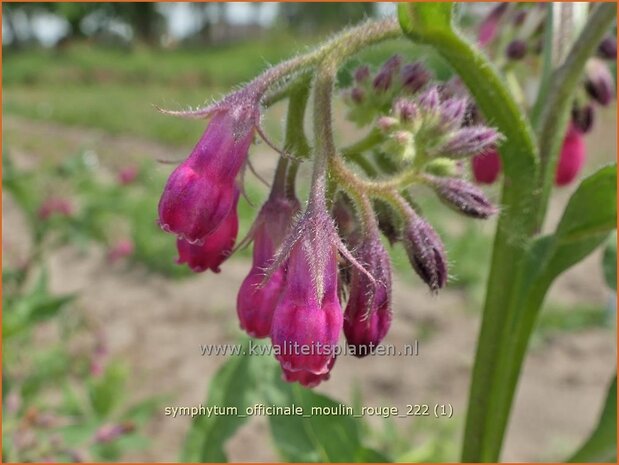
x=256, y=300
x=453, y=112
x=307, y=378
x=405, y=110
x=368, y=313
x=426, y=252
x=608, y=48
x=463, y=196
x=308, y=318
x=430, y=99
x=414, y=77
x=357, y=95
x=362, y=74
x=55, y=206
x=583, y=118
x=489, y=26
x=600, y=84
x=201, y=191
x=215, y=248
x=516, y=49
x=468, y=141
x=382, y=81
x=386, y=123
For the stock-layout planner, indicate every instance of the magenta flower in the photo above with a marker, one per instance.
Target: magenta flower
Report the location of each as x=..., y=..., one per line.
x=55, y=206
x=215, y=248
x=256, y=300
x=201, y=191
x=308, y=318
x=307, y=378
x=572, y=157
x=368, y=313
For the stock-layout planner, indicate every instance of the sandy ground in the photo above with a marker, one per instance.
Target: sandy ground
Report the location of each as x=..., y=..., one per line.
x=157, y=325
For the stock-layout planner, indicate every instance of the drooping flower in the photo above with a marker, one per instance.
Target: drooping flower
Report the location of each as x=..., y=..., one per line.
x=571, y=158
x=308, y=318
x=201, y=191
x=367, y=316
x=256, y=300
x=307, y=378
x=215, y=248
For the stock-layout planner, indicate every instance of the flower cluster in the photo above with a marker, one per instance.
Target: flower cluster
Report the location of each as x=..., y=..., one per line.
x=321, y=272
x=372, y=93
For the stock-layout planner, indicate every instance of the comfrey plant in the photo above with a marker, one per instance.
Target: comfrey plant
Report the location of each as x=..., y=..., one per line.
x=304, y=264
x=320, y=268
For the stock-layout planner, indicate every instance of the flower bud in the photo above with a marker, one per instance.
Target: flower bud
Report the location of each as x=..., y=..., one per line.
x=357, y=95
x=463, y=196
x=307, y=378
x=453, y=111
x=127, y=175
x=256, y=300
x=430, y=100
x=583, y=118
x=467, y=141
x=382, y=81
x=608, y=48
x=362, y=74
x=388, y=222
x=386, y=123
x=486, y=166
x=442, y=167
x=405, y=110
x=516, y=49
x=201, y=191
x=600, y=84
x=308, y=318
x=368, y=313
x=215, y=248
x=414, y=77
x=571, y=159
x=426, y=252
x=489, y=26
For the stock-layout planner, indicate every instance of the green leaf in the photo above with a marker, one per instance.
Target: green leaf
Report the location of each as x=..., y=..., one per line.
x=609, y=262
x=602, y=444
x=106, y=392
x=425, y=20
x=592, y=209
x=236, y=386
x=312, y=437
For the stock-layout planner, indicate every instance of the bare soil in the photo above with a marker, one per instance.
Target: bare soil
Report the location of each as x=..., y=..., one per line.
x=156, y=326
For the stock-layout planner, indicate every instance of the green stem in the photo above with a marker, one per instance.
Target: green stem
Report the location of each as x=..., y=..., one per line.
x=295, y=141
x=554, y=116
